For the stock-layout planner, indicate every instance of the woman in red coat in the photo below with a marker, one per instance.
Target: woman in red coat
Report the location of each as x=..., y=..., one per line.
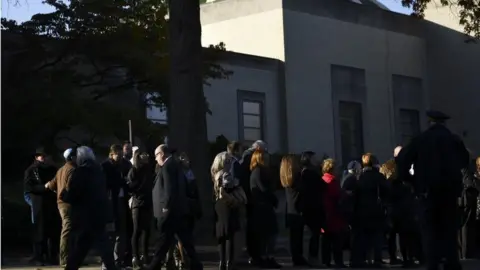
x=336, y=225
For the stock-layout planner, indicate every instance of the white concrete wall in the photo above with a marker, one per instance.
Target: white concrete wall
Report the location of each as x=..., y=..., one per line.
x=309, y=56
x=260, y=33
x=222, y=98
x=447, y=16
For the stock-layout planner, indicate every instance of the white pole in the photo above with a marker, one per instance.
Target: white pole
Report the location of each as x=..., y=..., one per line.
x=130, y=136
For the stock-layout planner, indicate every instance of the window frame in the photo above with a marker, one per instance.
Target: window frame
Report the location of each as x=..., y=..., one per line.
x=253, y=97
x=417, y=129
x=358, y=135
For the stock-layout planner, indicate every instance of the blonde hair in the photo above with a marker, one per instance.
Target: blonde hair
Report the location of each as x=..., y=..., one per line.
x=289, y=167
x=328, y=165
x=388, y=169
x=258, y=159
x=478, y=162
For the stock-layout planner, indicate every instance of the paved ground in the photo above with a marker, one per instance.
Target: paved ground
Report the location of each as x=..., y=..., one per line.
x=467, y=265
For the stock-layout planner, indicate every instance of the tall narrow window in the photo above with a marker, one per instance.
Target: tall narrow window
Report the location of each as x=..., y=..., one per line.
x=251, y=116
x=409, y=125
x=351, y=130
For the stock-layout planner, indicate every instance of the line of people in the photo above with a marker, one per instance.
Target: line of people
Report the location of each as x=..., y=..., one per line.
x=113, y=204
x=410, y=201
x=110, y=206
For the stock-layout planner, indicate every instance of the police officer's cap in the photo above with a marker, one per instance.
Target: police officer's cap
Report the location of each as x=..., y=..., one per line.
x=437, y=116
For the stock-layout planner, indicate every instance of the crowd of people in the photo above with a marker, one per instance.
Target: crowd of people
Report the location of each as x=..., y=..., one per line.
x=422, y=203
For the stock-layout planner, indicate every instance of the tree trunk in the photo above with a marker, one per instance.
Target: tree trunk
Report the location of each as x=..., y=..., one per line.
x=187, y=110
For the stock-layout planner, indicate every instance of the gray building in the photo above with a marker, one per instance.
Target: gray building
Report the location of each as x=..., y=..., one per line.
x=337, y=77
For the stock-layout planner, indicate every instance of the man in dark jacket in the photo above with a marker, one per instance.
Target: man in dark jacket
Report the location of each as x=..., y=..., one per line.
x=170, y=208
x=90, y=211
x=125, y=166
x=114, y=169
x=438, y=156
x=40, y=200
x=58, y=184
x=251, y=240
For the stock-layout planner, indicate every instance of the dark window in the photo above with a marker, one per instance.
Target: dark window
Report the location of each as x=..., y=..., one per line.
x=409, y=125
x=251, y=116
x=351, y=130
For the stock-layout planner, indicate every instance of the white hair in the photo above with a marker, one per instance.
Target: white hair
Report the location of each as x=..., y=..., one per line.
x=397, y=150
x=259, y=144
x=84, y=154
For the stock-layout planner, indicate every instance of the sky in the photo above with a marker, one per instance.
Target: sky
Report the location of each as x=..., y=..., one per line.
x=24, y=10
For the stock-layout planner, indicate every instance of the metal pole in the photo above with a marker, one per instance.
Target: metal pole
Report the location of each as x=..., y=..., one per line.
x=130, y=136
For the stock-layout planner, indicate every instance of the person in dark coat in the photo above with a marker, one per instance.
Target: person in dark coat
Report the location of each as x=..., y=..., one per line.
x=438, y=156
x=90, y=211
x=170, y=208
x=264, y=203
x=114, y=168
x=291, y=181
x=45, y=217
x=369, y=216
x=230, y=198
x=126, y=165
x=194, y=205
x=468, y=208
x=477, y=226
x=140, y=182
x=313, y=189
x=401, y=215
x=251, y=241
x=336, y=225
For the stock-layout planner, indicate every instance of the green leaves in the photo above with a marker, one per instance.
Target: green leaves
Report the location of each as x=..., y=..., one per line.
x=64, y=68
x=468, y=11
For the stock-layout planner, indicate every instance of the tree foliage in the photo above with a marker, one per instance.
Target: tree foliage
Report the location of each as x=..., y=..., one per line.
x=468, y=11
x=61, y=69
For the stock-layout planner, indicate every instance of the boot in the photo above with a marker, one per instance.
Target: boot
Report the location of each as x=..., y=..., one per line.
x=231, y=265
x=136, y=263
x=222, y=266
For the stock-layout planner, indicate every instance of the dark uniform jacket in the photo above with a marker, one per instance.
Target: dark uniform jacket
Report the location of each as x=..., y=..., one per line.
x=36, y=176
x=438, y=157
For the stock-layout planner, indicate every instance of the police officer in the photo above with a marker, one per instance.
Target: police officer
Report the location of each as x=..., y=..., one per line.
x=438, y=157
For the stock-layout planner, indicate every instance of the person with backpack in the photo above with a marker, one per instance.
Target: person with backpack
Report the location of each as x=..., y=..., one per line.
x=230, y=198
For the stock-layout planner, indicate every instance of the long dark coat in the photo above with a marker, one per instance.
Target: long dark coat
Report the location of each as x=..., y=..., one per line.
x=263, y=201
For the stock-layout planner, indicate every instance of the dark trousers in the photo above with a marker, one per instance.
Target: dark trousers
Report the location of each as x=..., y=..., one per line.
x=251, y=241
x=468, y=231
x=440, y=224
x=332, y=244
x=82, y=240
x=296, y=239
x=393, y=242
x=226, y=249
x=366, y=241
x=142, y=218
x=168, y=228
